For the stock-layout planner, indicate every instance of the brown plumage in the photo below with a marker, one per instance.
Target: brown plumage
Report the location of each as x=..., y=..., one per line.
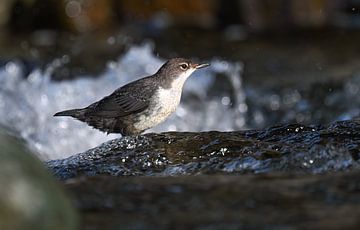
x=141, y=104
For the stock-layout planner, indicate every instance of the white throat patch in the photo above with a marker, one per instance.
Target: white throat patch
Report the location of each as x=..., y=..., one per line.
x=178, y=83
x=166, y=103
x=171, y=97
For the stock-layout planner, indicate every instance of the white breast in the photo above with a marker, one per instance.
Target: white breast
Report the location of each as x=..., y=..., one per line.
x=166, y=100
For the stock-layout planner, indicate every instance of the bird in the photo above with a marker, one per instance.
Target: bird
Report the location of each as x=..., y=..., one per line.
x=141, y=104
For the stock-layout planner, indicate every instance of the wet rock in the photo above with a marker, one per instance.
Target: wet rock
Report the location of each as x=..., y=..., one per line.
x=29, y=196
x=283, y=177
x=290, y=148
x=271, y=201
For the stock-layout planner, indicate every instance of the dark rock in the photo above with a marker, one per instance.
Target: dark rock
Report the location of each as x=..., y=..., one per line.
x=288, y=148
x=298, y=181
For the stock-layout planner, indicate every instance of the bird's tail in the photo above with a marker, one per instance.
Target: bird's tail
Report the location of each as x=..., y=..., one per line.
x=77, y=113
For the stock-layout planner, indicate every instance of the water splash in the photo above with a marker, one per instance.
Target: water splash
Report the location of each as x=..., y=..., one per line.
x=27, y=104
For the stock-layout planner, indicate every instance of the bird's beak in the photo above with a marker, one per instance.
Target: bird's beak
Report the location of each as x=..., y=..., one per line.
x=199, y=66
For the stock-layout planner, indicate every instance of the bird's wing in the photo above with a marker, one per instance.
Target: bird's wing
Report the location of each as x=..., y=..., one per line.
x=119, y=104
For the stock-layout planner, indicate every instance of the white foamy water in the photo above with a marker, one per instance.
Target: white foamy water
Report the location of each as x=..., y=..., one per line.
x=27, y=104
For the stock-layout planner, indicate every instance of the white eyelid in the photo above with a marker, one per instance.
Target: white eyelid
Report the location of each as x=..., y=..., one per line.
x=184, y=63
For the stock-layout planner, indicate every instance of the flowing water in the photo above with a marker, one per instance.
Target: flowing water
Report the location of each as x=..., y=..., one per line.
x=29, y=102
x=316, y=133
x=214, y=99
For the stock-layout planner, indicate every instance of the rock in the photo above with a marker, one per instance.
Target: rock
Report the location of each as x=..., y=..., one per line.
x=284, y=177
x=288, y=148
x=29, y=196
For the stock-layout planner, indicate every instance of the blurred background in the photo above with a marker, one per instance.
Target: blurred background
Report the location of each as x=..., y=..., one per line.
x=278, y=38
x=273, y=62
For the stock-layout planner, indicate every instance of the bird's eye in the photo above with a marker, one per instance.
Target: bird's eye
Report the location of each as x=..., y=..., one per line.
x=184, y=66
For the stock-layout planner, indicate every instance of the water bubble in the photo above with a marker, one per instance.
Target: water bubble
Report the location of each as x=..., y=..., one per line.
x=291, y=98
x=259, y=117
x=225, y=100
x=73, y=9
x=351, y=88
x=12, y=68
x=111, y=40
x=240, y=122
x=65, y=59
x=242, y=108
x=274, y=102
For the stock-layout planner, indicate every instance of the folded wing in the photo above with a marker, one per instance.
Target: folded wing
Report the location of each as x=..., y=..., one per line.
x=118, y=104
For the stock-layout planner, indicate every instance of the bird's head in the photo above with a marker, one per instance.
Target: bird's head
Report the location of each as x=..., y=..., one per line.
x=179, y=68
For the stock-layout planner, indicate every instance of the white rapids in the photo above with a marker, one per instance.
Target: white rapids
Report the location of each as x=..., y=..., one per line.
x=27, y=103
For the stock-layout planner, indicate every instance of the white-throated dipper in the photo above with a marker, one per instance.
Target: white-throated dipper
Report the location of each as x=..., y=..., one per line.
x=141, y=104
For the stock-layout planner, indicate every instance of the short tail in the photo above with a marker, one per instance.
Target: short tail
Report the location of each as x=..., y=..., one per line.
x=77, y=113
